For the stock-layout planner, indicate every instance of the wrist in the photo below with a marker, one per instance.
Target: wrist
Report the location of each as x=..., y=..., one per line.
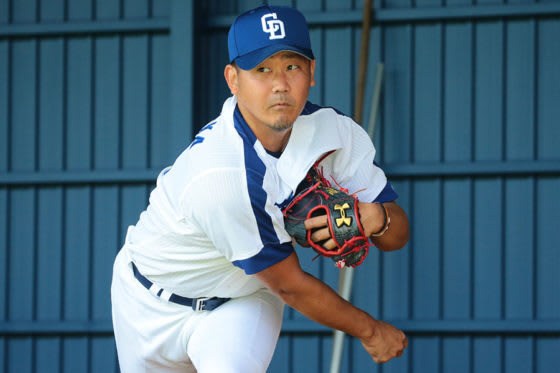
x=370, y=331
x=386, y=220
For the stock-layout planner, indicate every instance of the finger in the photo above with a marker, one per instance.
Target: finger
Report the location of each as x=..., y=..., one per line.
x=320, y=235
x=381, y=360
x=323, y=238
x=316, y=222
x=330, y=244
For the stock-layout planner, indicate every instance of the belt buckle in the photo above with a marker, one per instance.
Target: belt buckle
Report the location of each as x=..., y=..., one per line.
x=199, y=303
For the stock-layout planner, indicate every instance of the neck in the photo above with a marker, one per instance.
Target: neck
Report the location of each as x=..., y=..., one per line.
x=274, y=141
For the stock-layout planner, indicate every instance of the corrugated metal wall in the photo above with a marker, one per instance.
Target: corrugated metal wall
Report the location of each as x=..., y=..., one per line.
x=97, y=96
x=84, y=118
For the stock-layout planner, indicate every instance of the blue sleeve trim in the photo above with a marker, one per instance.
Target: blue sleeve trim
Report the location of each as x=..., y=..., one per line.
x=388, y=194
x=267, y=257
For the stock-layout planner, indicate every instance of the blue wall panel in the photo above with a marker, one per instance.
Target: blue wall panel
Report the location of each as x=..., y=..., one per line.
x=397, y=93
x=487, y=354
x=456, y=354
x=50, y=244
x=158, y=97
x=50, y=107
x=488, y=87
x=134, y=102
x=457, y=88
x=97, y=96
x=78, y=103
x=519, y=254
x=456, y=258
x=4, y=104
x=547, y=254
x=107, y=137
x=68, y=100
x=488, y=249
x=518, y=354
x=546, y=359
x=426, y=250
x=547, y=93
x=427, y=94
x=520, y=90
x=47, y=355
x=23, y=104
x=425, y=353
x=75, y=354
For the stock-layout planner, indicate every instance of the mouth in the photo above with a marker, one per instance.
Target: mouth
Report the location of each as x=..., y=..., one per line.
x=280, y=105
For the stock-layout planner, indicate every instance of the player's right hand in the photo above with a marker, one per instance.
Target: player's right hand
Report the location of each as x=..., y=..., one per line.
x=386, y=342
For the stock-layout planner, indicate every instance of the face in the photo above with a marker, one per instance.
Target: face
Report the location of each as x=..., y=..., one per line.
x=273, y=94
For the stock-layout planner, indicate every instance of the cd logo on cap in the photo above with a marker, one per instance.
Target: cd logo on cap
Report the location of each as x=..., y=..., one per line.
x=272, y=25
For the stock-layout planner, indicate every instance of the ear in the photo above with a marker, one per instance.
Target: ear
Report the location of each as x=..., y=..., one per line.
x=230, y=73
x=312, y=70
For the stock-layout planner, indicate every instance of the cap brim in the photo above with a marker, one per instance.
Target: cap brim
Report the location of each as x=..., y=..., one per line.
x=250, y=60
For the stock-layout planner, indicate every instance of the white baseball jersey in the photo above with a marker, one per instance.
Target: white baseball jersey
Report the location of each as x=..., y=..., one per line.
x=215, y=216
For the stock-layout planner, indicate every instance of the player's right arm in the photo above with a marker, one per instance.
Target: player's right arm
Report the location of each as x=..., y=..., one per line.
x=316, y=300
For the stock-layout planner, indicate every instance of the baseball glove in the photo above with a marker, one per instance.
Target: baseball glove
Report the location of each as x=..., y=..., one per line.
x=319, y=198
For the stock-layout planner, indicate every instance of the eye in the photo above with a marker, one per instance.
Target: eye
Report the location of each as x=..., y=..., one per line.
x=293, y=67
x=263, y=69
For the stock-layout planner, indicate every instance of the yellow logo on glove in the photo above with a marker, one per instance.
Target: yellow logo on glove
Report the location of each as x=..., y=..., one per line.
x=343, y=218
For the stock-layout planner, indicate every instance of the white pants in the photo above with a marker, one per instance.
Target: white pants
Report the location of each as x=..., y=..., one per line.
x=153, y=335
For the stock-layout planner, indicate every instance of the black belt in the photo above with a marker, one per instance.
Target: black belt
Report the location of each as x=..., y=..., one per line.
x=197, y=304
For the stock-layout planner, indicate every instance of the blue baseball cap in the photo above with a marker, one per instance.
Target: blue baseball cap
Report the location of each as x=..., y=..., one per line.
x=261, y=32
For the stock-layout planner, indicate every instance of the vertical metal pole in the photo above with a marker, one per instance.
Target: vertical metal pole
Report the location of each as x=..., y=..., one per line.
x=375, y=99
x=346, y=274
x=345, y=278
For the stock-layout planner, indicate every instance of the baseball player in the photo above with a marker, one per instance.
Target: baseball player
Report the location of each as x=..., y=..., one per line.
x=201, y=281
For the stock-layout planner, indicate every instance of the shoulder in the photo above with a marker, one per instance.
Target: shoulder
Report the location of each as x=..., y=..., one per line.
x=333, y=122
x=323, y=115
x=311, y=109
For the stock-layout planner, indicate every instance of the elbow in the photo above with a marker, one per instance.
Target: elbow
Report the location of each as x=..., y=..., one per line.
x=292, y=290
x=284, y=278
x=288, y=296
x=286, y=289
x=285, y=294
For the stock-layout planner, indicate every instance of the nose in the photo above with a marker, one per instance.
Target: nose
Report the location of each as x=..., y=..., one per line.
x=280, y=82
